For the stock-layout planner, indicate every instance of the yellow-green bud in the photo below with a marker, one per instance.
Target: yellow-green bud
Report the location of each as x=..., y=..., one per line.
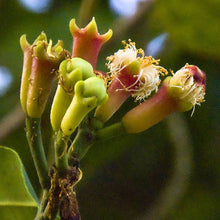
x=70, y=72
x=88, y=94
x=61, y=102
x=73, y=70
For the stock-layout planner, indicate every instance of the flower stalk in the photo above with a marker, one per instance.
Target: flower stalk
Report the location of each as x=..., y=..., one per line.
x=88, y=136
x=150, y=112
x=33, y=133
x=61, y=159
x=83, y=141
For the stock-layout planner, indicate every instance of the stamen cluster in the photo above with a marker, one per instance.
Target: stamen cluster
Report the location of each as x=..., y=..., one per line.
x=189, y=89
x=146, y=80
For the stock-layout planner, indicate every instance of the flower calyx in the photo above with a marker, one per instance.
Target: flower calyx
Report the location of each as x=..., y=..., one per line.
x=87, y=42
x=70, y=72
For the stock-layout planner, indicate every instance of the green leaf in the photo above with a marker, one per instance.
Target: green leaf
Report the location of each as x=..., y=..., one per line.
x=16, y=202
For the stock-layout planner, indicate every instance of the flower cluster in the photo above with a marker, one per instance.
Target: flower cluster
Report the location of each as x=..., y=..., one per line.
x=86, y=98
x=131, y=73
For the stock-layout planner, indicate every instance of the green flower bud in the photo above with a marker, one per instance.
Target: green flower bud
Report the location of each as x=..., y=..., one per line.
x=70, y=72
x=61, y=102
x=73, y=70
x=88, y=94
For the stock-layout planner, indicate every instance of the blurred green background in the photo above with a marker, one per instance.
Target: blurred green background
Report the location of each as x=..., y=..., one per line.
x=172, y=170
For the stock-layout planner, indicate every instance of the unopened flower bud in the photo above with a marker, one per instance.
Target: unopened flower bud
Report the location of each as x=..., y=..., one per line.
x=27, y=63
x=41, y=62
x=88, y=94
x=73, y=70
x=181, y=92
x=87, y=42
x=70, y=72
x=133, y=74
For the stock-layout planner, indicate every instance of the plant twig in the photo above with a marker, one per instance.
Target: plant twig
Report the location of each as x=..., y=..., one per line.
x=109, y=132
x=81, y=144
x=60, y=152
x=86, y=138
